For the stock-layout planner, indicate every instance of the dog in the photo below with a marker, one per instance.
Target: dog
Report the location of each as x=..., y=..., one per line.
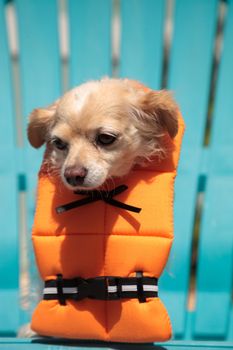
x=101, y=129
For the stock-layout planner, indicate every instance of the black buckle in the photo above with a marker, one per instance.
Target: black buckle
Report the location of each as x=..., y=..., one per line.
x=93, y=288
x=83, y=288
x=98, y=288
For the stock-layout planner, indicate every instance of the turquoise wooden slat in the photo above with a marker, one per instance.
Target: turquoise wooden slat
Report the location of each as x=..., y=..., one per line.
x=40, y=73
x=230, y=334
x=190, y=63
x=215, y=260
x=9, y=260
x=39, y=53
x=90, y=40
x=189, y=78
x=142, y=24
x=215, y=273
x=39, y=70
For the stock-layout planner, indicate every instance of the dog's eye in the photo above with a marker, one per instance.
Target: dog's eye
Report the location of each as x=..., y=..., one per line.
x=59, y=144
x=105, y=139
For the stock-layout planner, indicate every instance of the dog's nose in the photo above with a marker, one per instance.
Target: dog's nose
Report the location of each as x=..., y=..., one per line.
x=75, y=176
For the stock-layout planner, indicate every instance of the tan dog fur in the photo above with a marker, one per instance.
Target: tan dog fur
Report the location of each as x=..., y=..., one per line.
x=139, y=119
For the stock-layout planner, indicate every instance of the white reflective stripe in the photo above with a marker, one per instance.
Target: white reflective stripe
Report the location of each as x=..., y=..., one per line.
x=66, y=290
x=70, y=290
x=129, y=288
x=150, y=288
x=50, y=290
x=133, y=288
x=112, y=289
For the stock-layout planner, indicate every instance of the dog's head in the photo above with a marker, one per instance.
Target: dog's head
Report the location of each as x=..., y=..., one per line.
x=101, y=129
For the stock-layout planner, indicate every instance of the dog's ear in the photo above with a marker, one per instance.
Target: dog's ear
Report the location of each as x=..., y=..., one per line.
x=40, y=120
x=158, y=107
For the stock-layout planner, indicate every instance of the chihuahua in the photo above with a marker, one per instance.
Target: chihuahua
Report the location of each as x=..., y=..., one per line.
x=101, y=129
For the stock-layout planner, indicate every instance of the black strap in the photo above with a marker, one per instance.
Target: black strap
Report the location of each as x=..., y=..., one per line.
x=101, y=288
x=141, y=296
x=93, y=196
x=60, y=294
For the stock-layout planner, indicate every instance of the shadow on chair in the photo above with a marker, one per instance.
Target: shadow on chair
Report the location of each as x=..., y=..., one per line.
x=97, y=344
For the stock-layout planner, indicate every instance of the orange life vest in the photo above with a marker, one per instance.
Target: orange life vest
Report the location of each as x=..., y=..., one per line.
x=99, y=239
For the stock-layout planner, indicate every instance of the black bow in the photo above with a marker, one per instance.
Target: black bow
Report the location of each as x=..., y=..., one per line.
x=94, y=196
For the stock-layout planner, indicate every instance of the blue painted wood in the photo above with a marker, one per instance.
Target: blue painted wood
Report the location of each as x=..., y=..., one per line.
x=215, y=260
x=189, y=78
x=9, y=260
x=190, y=63
x=40, y=85
x=230, y=334
x=39, y=53
x=39, y=71
x=142, y=27
x=90, y=40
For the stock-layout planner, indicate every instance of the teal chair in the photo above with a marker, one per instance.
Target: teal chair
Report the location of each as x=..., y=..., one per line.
x=201, y=262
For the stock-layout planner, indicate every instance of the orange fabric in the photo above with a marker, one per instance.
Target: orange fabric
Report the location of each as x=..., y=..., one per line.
x=101, y=240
